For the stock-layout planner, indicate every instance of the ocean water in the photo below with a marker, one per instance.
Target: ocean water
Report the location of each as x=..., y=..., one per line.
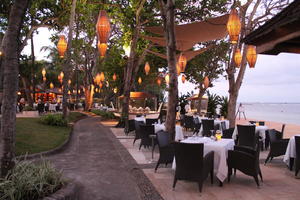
x=288, y=113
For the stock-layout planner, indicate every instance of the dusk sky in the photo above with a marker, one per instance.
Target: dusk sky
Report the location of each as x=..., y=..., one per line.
x=274, y=78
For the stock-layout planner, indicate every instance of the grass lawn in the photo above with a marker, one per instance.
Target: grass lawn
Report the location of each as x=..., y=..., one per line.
x=34, y=137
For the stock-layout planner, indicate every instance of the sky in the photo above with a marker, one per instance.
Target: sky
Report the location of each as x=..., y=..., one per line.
x=274, y=78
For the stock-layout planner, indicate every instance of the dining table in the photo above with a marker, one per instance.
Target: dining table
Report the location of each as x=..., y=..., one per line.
x=217, y=122
x=220, y=149
x=290, y=153
x=178, y=130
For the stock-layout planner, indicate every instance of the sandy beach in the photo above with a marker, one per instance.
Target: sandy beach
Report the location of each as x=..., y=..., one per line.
x=289, y=131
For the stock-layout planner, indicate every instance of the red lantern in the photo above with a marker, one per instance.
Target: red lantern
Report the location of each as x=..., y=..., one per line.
x=183, y=78
x=238, y=57
x=147, y=68
x=234, y=26
x=102, y=47
x=182, y=62
x=206, y=82
x=62, y=46
x=114, y=77
x=251, y=56
x=103, y=27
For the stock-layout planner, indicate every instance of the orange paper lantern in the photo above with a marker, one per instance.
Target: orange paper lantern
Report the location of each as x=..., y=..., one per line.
x=100, y=85
x=69, y=81
x=147, y=68
x=140, y=80
x=51, y=85
x=182, y=62
x=62, y=46
x=238, y=57
x=97, y=79
x=234, y=26
x=114, y=77
x=167, y=78
x=102, y=47
x=103, y=27
x=251, y=56
x=183, y=78
x=69, y=92
x=158, y=81
x=44, y=78
x=44, y=72
x=102, y=77
x=178, y=69
x=206, y=82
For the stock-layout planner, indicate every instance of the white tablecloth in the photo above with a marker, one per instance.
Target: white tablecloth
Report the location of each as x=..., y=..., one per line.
x=260, y=130
x=290, y=150
x=140, y=119
x=220, y=149
x=216, y=122
x=52, y=107
x=178, y=129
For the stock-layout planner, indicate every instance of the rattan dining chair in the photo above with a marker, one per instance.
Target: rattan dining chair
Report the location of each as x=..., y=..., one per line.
x=297, y=160
x=166, y=149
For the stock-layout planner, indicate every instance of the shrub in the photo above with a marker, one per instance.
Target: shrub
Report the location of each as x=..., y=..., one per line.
x=28, y=108
x=224, y=106
x=53, y=120
x=30, y=181
x=104, y=114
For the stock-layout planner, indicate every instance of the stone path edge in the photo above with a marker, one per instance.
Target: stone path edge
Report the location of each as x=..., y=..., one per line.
x=147, y=189
x=70, y=191
x=56, y=150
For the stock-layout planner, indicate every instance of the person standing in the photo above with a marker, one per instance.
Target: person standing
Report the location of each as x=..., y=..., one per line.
x=241, y=110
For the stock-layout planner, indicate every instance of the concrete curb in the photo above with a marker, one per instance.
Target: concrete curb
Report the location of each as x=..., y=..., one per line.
x=56, y=150
x=67, y=192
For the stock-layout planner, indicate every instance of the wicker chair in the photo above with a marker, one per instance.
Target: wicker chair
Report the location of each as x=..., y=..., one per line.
x=197, y=125
x=208, y=126
x=137, y=130
x=191, y=165
x=166, y=149
x=297, y=160
x=247, y=136
x=227, y=133
x=245, y=160
x=277, y=144
x=151, y=121
x=188, y=122
x=146, y=131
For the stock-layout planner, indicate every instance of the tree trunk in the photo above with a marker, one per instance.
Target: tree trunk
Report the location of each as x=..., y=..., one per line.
x=168, y=19
x=67, y=64
x=32, y=98
x=200, y=95
x=10, y=85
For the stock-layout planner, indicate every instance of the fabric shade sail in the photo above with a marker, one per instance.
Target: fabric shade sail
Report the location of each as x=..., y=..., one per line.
x=210, y=29
x=189, y=54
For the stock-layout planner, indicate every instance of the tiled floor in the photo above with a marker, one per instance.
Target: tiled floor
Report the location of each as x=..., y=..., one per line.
x=279, y=183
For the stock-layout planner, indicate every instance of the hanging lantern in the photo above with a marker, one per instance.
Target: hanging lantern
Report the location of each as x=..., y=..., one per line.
x=140, y=80
x=251, y=56
x=51, y=85
x=147, y=68
x=115, y=90
x=69, y=92
x=79, y=91
x=59, y=78
x=69, y=81
x=238, y=57
x=44, y=78
x=97, y=79
x=103, y=27
x=183, y=78
x=102, y=77
x=62, y=75
x=44, y=72
x=234, y=26
x=100, y=84
x=62, y=46
x=97, y=90
x=102, y=47
x=178, y=69
x=114, y=77
x=167, y=78
x=182, y=62
x=158, y=81
x=206, y=82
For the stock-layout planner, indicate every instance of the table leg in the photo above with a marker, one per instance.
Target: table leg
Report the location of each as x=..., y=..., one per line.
x=291, y=163
x=220, y=183
x=152, y=146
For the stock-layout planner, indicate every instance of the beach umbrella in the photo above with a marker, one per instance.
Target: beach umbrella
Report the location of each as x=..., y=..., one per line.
x=62, y=46
x=251, y=56
x=234, y=26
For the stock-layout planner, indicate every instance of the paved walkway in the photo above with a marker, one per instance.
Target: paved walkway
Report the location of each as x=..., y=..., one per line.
x=97, y=160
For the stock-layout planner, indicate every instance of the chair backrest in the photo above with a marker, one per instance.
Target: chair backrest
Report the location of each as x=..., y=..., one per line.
x=282, y=129
x=273, y=134
x=137, y=127
x=188, y=121
x=261, y=123
x=196, y=120
x=297, y=143
x=189, y=159
x=252, y=122
x=247, y=136
x=163, y=138
x=151, y=121
x=146, y=130
x=223, y=126
x=227, y=133
x=131, y=125
x=207, y=124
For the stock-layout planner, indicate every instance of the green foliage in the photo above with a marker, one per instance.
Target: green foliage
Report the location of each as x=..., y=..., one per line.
x=213, y=101
x=53, y=120
x=104, y=114
x=224, y=106
x=30, y=181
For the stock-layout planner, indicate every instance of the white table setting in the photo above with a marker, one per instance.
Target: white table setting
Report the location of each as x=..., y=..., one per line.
x=178, y=131
x=220, y=149
x=290, y=151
